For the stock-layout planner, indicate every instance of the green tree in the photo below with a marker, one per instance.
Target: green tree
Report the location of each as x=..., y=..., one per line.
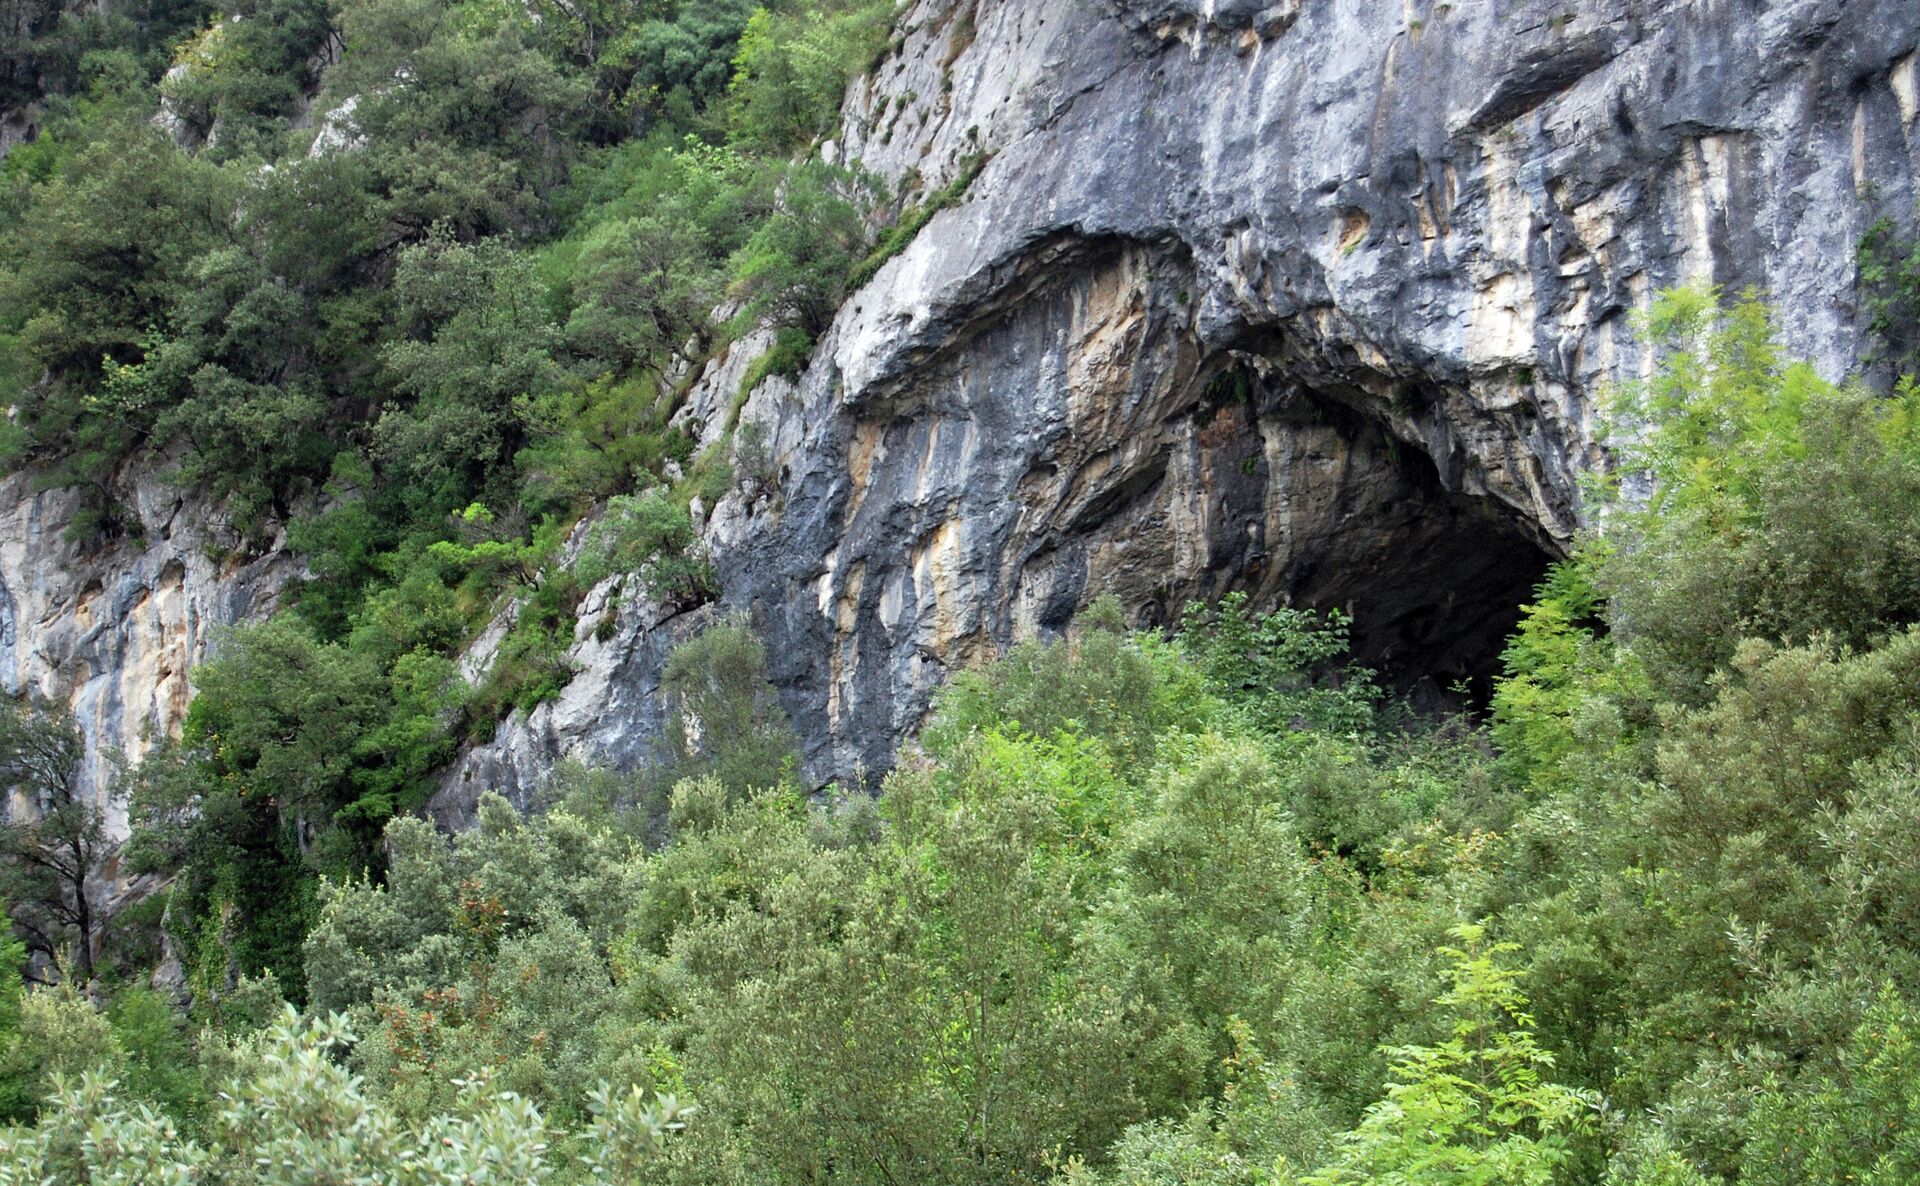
x=1854, y=1124
x=17, y=1098
x=1890, y=278
x=1474, y=1108
x=477, y=339
x=478, y=134
x=683, y=62
x=1210, y=897
x=88, y=279
x=791, y=69
x=55, y=838
x=793, y=269
x=725, y=719
x=1282, y=666
x=246, y=72
x=489, y=954
x=652, y=536
x=292, y=1114
x=1778, y=506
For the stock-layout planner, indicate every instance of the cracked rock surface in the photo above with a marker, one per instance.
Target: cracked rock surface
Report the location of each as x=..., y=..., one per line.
x=1313, y=300
x=113, y=632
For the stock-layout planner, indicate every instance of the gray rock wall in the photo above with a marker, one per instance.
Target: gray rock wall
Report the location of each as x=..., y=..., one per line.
x=114, y=632
x=1311, y=299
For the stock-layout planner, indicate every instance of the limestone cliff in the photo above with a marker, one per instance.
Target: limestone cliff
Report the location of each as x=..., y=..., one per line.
x=114, y=631
x=1311, y=298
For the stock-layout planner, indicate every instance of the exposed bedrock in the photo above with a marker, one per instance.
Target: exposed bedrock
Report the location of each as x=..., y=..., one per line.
x=113, y=632
x=1308, y=299
x=1312, y=300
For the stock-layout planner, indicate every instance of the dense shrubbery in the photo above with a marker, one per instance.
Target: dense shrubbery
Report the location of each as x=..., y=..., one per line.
x=288, y=1113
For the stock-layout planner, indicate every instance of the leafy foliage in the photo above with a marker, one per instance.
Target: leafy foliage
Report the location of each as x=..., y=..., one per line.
x=1786, y=504
x=1475, y=1107
x=653, y=536
x=289, y=1113
x=54, y=841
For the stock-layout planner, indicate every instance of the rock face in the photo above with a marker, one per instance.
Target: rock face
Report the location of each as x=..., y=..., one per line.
x=114, y=632
x=1312, y=299
x=1308, y=299
x=611, y=714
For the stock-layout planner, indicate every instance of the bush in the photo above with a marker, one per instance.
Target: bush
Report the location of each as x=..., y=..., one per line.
x=1281, y=666
x=653, y=536
x=793, y=270
x=1477, y=1106
x=1778, y=506
x=790, y=72
x=1853, y=1124
x=725, y=720
x=291, y=1114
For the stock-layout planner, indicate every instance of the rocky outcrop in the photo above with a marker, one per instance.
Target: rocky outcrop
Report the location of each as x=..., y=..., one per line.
x=114, y=631
x=612, y=714
x=1308, y=299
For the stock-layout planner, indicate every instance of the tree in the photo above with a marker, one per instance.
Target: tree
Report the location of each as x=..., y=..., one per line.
x=794, y=268
x=1855, y=1125
x=1777, y=506
x=486, y=954
x=478, y=338
x=791, y=70
x=652, y=535
x=1473, y=1110
x=725, y=719
x=681, y=65
x=55, y=837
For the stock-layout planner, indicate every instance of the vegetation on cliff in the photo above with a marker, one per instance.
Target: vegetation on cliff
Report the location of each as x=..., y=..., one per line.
x=423, y=284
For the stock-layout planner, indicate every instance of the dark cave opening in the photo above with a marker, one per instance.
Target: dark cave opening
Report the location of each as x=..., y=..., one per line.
x=1435, y=623
x=1432, y=577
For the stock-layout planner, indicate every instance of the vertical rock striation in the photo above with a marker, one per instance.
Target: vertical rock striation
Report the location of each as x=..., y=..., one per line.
x=113, y=632
x=1311, y=298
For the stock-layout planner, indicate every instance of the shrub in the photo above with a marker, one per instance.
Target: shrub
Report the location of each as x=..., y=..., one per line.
x=292, y=1114
x=1475, y=1107
x=1776, y=506
x=653, y=536
x=725, y=720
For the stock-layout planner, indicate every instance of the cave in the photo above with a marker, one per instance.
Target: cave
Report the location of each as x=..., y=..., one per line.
x=1321, y=503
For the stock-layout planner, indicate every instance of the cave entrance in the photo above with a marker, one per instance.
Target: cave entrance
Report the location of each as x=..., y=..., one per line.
x=1354, y=517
